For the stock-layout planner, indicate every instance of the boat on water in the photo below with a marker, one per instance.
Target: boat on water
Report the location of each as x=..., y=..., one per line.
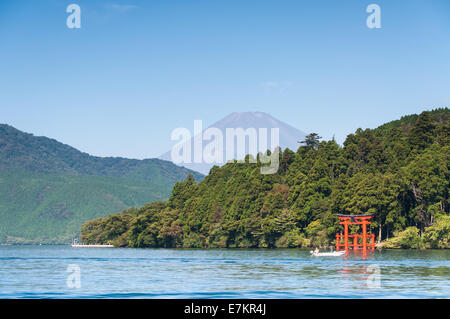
x=329, y=254
x=75, y=244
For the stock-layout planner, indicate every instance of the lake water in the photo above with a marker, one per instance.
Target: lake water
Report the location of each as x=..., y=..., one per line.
x=42, y=272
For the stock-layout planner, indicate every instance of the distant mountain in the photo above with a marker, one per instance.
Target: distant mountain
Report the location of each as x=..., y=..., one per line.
x=48, y=189
x=288, y=136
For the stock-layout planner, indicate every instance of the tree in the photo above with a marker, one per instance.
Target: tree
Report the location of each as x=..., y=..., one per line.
x=311, y=141
x=421, y=134
x=428, y=176
x=181, y=192
x=287, y=157
x=438, y=235
x=407, y=239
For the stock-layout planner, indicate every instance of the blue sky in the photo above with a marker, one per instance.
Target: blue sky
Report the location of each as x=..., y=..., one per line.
x=138, y=69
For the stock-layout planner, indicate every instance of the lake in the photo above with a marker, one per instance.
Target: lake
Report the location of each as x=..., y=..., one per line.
x=66, y=272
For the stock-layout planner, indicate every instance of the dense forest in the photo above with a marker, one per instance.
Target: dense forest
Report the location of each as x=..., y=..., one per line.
x=399, y=172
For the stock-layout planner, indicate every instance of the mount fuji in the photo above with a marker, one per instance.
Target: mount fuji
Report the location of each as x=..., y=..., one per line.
x=288, y=137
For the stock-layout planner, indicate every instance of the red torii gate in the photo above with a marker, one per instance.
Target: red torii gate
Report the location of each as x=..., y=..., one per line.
x=355, y=220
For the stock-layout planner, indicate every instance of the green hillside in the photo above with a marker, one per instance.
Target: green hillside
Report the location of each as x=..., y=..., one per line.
x=23, y=151
x=48, y=189
x=398, y=172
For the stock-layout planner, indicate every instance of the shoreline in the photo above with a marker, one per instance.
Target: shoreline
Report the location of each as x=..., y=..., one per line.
x=219, y=248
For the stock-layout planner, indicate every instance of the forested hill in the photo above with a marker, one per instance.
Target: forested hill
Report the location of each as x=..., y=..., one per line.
x=399, y=172
x=19, y=150
x=48, y=189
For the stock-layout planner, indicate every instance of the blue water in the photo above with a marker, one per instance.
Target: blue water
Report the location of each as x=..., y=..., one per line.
x=41, y=272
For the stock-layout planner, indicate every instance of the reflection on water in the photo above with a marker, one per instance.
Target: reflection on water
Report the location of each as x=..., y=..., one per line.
x=41, y=272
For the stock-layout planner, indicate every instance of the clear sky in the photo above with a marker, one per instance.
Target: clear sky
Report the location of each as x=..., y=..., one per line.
x=138, y=69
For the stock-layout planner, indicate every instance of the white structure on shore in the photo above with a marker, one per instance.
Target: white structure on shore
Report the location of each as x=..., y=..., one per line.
x=78, y=245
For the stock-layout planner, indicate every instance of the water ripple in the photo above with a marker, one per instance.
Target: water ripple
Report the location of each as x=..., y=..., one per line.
x=41, y=272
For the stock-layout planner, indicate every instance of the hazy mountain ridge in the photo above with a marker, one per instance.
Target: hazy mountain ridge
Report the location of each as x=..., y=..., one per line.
x=48, y=189
x=19, y=150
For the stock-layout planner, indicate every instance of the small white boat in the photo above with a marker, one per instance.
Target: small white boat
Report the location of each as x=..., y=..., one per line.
x=328, y=254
